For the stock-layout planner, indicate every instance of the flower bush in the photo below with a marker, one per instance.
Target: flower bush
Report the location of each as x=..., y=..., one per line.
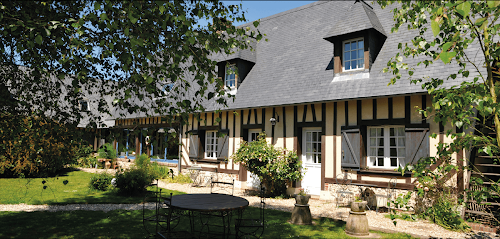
x=274, y=166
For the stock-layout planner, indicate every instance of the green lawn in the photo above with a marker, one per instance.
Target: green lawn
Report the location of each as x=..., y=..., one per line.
x=117, y=223
x=30, y=191
x=128, y=224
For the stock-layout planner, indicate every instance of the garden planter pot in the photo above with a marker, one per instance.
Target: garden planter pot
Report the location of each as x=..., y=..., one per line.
x=358, y=206
x=301, y=214
x=357, y=222
x=302, y=199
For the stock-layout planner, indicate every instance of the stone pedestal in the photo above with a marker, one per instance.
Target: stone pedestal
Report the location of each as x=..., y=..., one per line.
x=301, y=215
x=357, y=222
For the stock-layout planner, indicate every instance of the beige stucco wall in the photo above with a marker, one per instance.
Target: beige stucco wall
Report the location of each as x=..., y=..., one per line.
x=382, y=108
x=367, y=109
x=398, y=104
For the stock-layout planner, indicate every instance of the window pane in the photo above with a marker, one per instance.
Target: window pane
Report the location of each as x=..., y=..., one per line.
x=318, y=159
x=308, y=147
x=361, y=63
x=348, y=65
x=361, y=54
x=401, y=131
x=381, y=142
x=401, y=152
x=347, y=46
x=380, y=161
x=373, y=151
x=394, y=162
x=394, y=152
x=308, y=136
x=308, y=157
x=373, y=132
x=380, y=152
x=391, y=131
x=392, y=142
x=353, y=55
x=314, y=136
x=318, y=146
x=372, y=161
x=360, y=44
x=347, y=56
x=373, y=142
x=401, y=142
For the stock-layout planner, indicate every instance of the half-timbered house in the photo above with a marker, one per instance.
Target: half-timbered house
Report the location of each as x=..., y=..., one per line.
x=317, y=87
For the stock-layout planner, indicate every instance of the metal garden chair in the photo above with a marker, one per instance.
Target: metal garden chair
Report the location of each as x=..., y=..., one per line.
x=252, y=227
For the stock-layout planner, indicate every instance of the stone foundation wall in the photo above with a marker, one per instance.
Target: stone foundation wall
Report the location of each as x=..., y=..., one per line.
x=345, y=194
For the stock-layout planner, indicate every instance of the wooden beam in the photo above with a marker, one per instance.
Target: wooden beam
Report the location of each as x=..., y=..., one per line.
x=313, y=112
x=304, y=114
x=346, y=109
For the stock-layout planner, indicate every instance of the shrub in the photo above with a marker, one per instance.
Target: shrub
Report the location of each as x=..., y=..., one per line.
x=32, y=146
x=83, y=150
x=100, y=181
x=107, y=151
x=88, y=162
x=133, y=181
x=153, y=168
x=158, y=171
x=275, y=167
x=435, y=199
x=444, y=213
x=142, y=161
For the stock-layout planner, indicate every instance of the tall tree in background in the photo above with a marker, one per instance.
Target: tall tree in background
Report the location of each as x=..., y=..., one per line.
x=56, y=53
x=464, y=36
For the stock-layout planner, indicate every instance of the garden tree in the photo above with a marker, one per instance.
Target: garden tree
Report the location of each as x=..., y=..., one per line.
x=123, y=57
x=56, y=53
x=275, y=167
x=464, y=36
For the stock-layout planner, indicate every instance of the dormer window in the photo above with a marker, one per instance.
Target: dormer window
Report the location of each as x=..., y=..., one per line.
x=230, y=78
x=354, y=57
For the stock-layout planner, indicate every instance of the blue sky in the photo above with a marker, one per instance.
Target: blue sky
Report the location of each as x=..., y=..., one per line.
x=260, y=9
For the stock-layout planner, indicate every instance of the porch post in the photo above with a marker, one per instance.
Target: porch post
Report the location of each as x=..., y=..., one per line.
x=126, y=153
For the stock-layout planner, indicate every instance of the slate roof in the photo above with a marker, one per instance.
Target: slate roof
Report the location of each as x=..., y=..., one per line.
x=291, y=67
x=246, y=54
x=359, y=16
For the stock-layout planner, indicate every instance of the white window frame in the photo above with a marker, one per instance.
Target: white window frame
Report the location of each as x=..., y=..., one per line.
x=227, y=77
x=308, y=154
x=253, y=132
x=211, y=144
x=352, y=60
x=399, y=147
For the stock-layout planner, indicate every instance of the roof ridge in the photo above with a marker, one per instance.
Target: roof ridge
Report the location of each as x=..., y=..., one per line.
x=293, y=10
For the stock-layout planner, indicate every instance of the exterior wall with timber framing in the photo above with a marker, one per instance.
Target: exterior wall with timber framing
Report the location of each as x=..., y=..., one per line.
x=336, y=120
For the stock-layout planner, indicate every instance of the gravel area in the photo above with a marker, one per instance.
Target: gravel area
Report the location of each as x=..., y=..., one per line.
x=319, y=208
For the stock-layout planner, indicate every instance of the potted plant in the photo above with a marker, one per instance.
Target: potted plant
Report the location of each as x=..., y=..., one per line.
x=358, y=205
x=302, y=198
